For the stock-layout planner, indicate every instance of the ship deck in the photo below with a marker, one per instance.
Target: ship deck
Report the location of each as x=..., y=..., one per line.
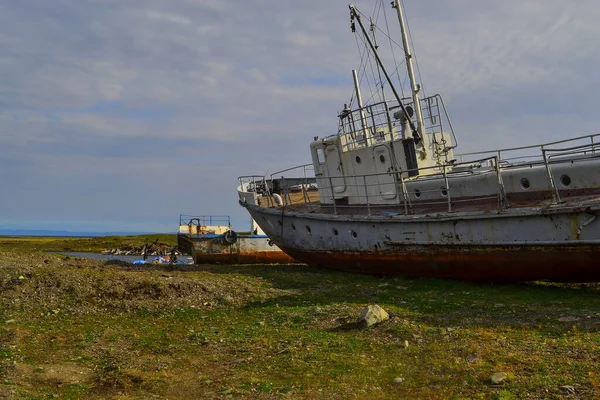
x=309, y=203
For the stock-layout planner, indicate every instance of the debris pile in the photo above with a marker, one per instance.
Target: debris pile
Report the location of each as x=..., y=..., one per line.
x=153, y=249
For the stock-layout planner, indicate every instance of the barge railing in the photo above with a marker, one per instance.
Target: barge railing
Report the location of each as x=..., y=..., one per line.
x=204, y=220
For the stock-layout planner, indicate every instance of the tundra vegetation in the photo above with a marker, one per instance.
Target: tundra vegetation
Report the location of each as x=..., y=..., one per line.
x=85, y=329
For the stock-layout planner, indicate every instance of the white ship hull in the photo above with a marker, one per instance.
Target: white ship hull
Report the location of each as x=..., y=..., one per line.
x=394, y=198
x=527, y=244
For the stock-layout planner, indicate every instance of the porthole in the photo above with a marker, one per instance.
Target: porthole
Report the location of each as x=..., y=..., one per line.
x=293, y=227
x=444, y=191
x=354, y=234
x=382, y=158
x=417, y=193
x=565, y=180
x=335, y=232
x=525, y=184
x=308, y=230
x=358, y=159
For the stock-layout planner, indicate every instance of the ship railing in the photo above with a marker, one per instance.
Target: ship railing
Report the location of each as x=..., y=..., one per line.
x=522, y=154
x=365, y=126
x=435, y=118
x=192, y=225
x=366, y=185
x=373, y=123
x=255, y=183
x=204, y=220
x=553, y=156
x=369, y=190
x=297, y=180
x=456, y=170
x=303, y=171
x=287, y=183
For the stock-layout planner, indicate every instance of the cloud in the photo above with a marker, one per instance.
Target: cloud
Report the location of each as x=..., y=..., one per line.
x=137, y=111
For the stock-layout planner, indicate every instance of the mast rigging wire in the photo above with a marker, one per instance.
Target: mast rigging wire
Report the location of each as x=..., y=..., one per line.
x=391, y=41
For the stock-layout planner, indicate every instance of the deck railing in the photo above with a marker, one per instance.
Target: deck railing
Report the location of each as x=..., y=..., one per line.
x=521, y=154
x=368, y=189
x=204, y=220
x=305, y=192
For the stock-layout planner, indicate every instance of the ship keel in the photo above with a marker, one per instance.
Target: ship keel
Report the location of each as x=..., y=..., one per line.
x=570, y=263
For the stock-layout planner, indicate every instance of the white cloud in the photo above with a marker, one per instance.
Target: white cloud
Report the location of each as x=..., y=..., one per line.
x=154, y=15
x=208, y=90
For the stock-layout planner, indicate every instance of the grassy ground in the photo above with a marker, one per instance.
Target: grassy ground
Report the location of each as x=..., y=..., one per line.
x=78, y=329
x=24, y=244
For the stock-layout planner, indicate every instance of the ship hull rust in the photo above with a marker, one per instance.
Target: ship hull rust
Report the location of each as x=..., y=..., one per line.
x=472, y=263
x=257, y=257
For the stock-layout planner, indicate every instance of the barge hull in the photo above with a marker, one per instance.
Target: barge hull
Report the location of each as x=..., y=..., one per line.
x=246, y=250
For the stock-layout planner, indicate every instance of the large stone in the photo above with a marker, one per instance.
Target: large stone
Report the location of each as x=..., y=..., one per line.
x=372, y=315
x=497, y=378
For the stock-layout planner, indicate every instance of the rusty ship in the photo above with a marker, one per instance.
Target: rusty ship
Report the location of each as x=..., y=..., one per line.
x=394, y=197
x=209, y=239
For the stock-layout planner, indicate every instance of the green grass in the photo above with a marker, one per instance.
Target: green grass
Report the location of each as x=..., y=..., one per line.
x=26, y=244
x=82, y=329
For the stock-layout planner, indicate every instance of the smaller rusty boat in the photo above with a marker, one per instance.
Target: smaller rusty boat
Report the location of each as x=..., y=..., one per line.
x=209, y=239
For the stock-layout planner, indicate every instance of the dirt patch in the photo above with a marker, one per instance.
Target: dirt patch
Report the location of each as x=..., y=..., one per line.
x=52, y=374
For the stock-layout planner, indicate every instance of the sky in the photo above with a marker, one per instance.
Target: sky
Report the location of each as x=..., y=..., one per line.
x=119, y=115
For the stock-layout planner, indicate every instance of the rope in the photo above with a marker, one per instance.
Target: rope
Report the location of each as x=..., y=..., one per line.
x=388, y=35
x=392, y=42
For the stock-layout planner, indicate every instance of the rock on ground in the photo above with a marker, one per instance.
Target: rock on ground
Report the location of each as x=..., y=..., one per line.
x=372, y=315
x=498, y=378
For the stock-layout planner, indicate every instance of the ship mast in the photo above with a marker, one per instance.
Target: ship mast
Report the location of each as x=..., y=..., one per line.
x=355, y=15
x=415, y=88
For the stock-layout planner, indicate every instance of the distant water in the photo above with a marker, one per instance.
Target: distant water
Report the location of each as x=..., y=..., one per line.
x=73, y=234
x=107, y=257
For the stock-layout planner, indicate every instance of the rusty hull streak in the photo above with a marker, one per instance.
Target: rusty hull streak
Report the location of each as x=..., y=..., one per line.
x=469, y=263
x=185, y=244
x=257, y=257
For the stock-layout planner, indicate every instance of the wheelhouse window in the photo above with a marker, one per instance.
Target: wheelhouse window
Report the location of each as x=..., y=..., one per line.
x=321, y=156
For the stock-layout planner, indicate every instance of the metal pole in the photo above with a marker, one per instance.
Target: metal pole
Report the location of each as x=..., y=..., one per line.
x=447, y=189
x=363, y=118
x=501, y=190
x=304, y=193
x=366, y=194
x=411, y=74
x=332, y=195
x=404, y=194
x=555, y=194
x=286, y=194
